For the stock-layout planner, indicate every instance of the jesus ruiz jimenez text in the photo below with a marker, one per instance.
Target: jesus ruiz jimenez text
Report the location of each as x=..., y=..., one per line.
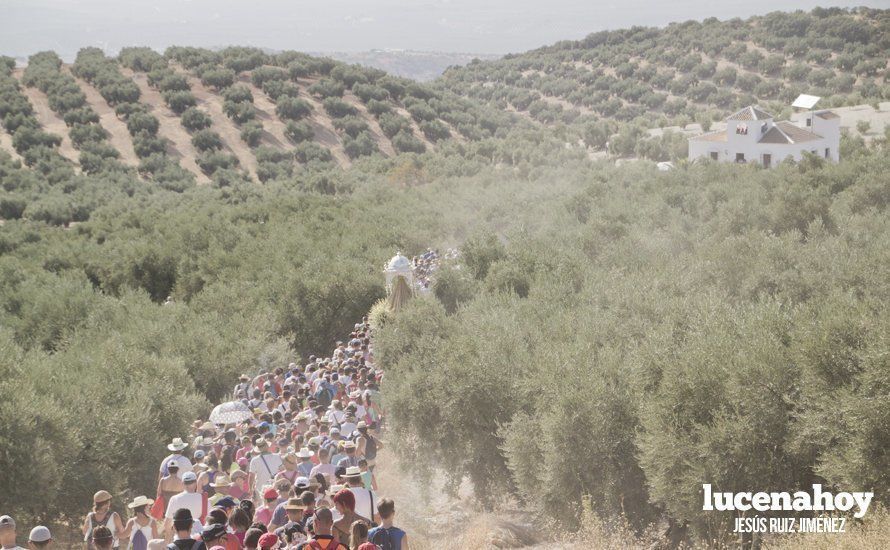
x=759, y=524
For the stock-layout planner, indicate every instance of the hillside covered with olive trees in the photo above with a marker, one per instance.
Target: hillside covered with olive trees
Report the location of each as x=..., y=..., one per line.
x=613, y=85
x=195, y=115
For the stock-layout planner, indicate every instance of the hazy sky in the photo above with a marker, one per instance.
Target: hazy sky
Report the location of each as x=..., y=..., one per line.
x=477, y=26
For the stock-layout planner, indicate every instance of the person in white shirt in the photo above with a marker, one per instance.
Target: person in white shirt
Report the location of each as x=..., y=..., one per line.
x=190, y=499
x=262, y=468
x=7, y=534
x=336, y=414
x=348, y=426
x=185, y=465
x=365, y=499
x=325, y=468
x=242, y=388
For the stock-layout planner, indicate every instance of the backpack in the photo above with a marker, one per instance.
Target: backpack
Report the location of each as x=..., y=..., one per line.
x=195, y=545
x=383, y=539
x=324, y=397
x=370, y=447
x=333, y=545
x=138, y=540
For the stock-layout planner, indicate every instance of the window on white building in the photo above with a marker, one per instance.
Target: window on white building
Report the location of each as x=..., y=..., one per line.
x=740, y=157
x=714, y=155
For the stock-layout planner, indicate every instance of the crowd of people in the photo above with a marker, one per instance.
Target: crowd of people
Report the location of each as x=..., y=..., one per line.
x=298, y=472
x=427, y=263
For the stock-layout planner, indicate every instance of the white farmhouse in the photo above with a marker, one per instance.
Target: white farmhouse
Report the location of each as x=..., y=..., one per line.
x=752, y=136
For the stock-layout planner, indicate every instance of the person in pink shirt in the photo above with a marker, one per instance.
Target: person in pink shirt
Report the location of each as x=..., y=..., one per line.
x=264, y=513
x=246, y=447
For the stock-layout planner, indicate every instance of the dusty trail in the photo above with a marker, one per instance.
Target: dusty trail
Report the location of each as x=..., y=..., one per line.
x=118, y=135
x=436, y=521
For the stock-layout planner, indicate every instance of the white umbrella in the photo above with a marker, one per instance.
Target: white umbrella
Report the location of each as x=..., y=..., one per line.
x=230, y=413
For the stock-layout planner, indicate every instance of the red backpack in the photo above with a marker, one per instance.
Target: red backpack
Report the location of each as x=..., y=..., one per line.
x=334, y=544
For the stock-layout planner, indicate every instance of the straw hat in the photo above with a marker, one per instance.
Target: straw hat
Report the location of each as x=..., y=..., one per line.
x=305, y=452
x=221, y=481
x=101, y=496
x=177, y=444
x=353, y=471
x=141, y=500
x=294, y=503
x=208, y=426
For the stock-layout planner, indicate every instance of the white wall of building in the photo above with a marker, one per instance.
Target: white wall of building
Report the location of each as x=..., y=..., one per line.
x=751, y=150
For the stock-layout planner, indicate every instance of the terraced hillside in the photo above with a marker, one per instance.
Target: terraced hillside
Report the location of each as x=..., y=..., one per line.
x=192, y=115
x=196, y=115
x=691, y=71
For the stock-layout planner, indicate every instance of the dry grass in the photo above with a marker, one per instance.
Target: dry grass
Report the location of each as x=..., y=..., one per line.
x=434, y=520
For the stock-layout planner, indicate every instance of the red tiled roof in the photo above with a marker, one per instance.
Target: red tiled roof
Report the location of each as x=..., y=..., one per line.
x=750, y=112
x=796, y=133
x=774, y=135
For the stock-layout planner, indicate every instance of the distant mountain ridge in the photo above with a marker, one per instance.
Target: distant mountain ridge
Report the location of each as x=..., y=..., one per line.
x=416, y=65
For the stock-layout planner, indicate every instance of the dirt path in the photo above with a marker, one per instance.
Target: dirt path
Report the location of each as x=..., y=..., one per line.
x=273, y=127
x=49, y=120
x=323, y=127
x=180, y=142
x=119, y=136
x=383, y=142
x=231, y=135
x=418, y=133
x=6, y=145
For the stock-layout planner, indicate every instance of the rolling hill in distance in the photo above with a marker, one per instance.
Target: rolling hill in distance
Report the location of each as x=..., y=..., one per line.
x=421, y=66
x=191, y=112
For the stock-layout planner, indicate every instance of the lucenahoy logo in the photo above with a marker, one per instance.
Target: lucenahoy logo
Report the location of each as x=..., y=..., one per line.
x=799, y=501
